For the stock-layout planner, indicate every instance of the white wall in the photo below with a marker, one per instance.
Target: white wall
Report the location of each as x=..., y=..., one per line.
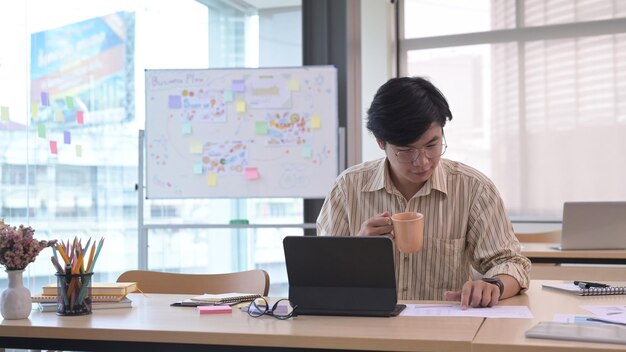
x=377, y=61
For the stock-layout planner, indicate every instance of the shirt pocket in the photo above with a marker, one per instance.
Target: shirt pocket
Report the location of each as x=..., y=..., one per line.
x=450, y=267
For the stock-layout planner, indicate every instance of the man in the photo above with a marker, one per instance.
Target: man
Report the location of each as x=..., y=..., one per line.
x=465, y=223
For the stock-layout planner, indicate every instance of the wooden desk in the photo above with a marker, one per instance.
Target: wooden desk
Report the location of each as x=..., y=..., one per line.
x=497, y=335
x=546, y=253
x=152, y=325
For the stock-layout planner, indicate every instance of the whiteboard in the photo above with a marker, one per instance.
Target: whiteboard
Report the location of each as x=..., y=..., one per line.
x=234, y=133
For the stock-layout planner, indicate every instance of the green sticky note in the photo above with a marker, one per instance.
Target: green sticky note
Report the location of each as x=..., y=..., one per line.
x=261, y=127
x=306, y=151
x=41, y=130
x=69, y=101
x=197, y=168
x=185, y=128
x=228, y=96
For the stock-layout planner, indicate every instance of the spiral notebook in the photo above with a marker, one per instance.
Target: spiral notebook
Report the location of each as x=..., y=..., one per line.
x=592, y=291
x=222, y=298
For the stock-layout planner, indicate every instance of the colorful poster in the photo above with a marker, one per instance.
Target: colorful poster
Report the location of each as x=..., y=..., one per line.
x=81, y=68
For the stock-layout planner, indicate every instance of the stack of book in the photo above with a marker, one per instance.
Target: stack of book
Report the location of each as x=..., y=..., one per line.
x=103, y=296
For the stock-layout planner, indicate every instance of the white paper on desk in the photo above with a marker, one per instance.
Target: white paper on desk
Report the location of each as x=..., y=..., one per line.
x=615, y=313
x=573, y=319
x=454, y=310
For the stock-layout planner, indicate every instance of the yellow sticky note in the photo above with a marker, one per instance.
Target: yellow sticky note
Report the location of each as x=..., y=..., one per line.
x=241, y=106
x=316, y=121
x=34, y=110
x=4, y=113
x=212, y=180
x=79, y=150
x=195, y=147
x=293, y=84
x=58, y=115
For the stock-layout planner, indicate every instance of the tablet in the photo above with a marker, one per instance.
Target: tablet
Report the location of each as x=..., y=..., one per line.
x=606, y=333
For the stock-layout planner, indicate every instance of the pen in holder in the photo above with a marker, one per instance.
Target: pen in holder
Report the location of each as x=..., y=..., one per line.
x=74, y=293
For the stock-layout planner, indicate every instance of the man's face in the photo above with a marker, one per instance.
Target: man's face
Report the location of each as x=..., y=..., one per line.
x=414, y=164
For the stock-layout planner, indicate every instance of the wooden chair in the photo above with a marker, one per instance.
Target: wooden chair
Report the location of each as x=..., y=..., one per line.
x=540, y=237
x=251, y=281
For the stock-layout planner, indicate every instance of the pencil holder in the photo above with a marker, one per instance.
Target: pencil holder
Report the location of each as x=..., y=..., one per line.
x=74, y=294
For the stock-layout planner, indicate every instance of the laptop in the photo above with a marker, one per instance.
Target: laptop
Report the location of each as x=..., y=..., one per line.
x=346, y=276
x=594, y=225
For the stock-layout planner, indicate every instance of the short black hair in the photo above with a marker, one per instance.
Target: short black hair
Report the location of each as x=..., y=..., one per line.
x=404, y=108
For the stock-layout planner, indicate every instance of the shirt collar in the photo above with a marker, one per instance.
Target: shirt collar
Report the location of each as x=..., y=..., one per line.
x=382, y=180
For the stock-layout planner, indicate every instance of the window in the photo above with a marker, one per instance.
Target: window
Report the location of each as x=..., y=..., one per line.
x=69, y=150
x=539, y=111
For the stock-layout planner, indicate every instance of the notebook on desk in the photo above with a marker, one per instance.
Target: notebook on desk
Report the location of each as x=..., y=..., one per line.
x=593, y=225
x=351, y=276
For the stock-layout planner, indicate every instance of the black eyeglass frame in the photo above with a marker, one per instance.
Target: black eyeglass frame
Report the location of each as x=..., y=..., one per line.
x=255, y=311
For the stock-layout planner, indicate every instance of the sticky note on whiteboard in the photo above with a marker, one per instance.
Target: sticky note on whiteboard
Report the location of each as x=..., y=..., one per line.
x=228, y=95
x=241, y=106
x=293, y=84
x=238, y=85
x=211, y=180
x=174, y=102
x=252, y=173
x=261, y=127
x=306, y=151
x=185, y=128
x=195, y=147
x=316, y=121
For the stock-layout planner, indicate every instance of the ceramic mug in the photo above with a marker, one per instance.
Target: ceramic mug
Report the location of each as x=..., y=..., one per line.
x=408, y=231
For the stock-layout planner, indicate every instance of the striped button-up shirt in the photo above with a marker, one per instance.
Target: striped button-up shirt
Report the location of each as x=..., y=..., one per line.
x=465, y=225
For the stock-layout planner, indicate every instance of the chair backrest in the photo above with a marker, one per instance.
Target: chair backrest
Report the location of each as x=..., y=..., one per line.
x=251, y=281
x=540, y=237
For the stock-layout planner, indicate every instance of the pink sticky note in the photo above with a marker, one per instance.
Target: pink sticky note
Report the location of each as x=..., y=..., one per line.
x=214, y=309
x=53, y=147
x=79, y=117
x=252, y=173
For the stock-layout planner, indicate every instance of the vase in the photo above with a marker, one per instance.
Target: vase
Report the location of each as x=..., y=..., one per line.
x=15, y=302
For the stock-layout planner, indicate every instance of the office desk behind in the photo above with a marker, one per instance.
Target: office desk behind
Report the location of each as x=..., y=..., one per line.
x=497, y=335
x=155, y=326
x=546, y=253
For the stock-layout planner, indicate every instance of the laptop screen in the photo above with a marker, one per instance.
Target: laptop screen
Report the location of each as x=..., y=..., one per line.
x=341, y=275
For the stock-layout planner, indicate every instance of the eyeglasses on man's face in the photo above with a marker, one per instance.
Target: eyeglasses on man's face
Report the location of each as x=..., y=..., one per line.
x=282, y=309
x=430, y=151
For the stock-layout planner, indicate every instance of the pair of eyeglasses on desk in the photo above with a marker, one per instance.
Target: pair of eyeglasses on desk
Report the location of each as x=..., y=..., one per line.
x=282, y=309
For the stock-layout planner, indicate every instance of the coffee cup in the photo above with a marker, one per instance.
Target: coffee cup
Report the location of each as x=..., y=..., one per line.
x=408, y=231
